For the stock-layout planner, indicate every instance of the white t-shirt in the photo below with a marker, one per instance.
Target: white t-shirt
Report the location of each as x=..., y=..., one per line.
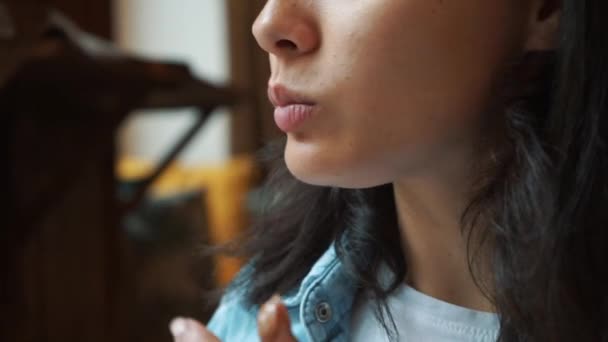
x=422, y=318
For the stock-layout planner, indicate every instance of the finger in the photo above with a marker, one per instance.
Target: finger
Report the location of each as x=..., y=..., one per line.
x=189, y=330
x=273, y=322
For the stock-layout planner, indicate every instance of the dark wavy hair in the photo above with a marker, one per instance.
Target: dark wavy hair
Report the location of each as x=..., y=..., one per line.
x=541, y=209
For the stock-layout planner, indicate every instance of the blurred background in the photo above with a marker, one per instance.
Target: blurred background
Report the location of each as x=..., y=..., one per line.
x=130, y=133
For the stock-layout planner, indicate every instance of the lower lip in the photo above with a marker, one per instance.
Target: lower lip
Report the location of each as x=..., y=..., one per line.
x=290, y=118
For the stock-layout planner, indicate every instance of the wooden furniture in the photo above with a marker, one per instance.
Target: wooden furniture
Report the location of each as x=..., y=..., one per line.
x=66, y=268
x=253, y=123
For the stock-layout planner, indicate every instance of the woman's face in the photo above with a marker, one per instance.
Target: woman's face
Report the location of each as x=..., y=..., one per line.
x=390, y=88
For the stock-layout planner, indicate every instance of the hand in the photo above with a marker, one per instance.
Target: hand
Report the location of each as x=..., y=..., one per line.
x=273, y=326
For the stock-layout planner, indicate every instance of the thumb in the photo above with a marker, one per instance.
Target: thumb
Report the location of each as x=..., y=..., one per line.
x=189, y=330
x=273, y=322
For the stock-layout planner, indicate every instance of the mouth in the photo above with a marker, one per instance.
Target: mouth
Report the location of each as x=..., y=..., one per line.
x=280, y=96
x=291, y=110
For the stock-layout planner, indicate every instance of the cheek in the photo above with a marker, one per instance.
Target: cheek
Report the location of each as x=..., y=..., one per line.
x=426, y=72
x=426, y=61
x=402, y=94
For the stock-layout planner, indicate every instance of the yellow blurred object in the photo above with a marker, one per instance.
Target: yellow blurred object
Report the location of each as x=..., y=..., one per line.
x=225, y=187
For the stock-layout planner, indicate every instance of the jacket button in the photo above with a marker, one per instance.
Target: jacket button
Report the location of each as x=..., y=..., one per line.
x=323, y=312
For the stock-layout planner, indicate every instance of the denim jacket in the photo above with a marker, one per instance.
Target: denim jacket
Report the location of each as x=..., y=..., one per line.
x=319, y=308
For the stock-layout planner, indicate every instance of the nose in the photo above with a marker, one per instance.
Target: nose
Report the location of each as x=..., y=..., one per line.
x=285, y=29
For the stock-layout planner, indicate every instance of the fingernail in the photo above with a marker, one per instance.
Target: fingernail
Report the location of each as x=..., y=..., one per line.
x=275, y=299
x=178, y=327
x=268, y=316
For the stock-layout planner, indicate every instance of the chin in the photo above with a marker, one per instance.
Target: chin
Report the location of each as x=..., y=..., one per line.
x=324, y=167
x=309, y=176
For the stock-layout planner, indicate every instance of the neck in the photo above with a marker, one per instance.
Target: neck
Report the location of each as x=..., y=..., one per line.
x=429, y=210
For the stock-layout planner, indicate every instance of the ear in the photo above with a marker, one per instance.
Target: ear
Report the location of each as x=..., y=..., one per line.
x=543, y=25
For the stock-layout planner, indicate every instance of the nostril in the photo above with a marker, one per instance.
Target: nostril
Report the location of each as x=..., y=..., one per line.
x=286, y=44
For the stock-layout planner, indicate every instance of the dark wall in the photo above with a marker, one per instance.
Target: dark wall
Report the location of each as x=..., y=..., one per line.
x=252, y=124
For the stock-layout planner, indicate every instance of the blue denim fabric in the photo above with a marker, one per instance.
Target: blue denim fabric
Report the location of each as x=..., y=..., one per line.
x=319, y=309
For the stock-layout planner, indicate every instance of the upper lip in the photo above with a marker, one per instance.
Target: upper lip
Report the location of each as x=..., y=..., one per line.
x=281, y=96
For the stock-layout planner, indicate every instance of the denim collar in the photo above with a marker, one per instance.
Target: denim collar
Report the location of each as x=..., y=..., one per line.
x=328, y=284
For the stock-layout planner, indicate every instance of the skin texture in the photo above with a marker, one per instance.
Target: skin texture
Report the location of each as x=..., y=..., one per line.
x=401, y=90
x=400, y=86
